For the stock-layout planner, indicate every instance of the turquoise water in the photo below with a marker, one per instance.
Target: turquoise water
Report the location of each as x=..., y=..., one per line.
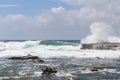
x=60, y=42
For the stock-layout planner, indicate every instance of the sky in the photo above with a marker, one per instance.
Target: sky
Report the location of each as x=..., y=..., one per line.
x=55, y=19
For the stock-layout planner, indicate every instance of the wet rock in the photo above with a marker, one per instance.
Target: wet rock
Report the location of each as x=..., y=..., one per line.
x=35, y=59
x=98, y=58
x=93, y=69
x=98, y=68
x=24, y=57
x=101, y=46
x=48, y=70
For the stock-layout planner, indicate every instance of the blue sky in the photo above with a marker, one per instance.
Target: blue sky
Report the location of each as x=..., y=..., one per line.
x=56, y=19
x=30, y=7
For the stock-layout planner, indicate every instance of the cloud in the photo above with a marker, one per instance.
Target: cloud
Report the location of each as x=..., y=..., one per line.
x=57, y=10
x=109, y=6
x=59, y=23
x=7, y=5
x=107, y=11
x=90, y=2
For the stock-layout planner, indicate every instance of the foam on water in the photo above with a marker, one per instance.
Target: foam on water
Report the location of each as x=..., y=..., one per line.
x=68, y=75
x=50, y=51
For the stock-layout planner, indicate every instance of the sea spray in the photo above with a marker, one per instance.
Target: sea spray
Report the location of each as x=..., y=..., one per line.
x=100, y=32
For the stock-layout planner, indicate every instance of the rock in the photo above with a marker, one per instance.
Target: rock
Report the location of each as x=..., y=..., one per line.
x=98, y=68
x=35, y=59
x=98, y=58
x=93, y=69
x=101, y=46
x=24, y=57
x=48, y=70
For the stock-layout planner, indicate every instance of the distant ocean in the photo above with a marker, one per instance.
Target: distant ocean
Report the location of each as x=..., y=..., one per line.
x=71, y=62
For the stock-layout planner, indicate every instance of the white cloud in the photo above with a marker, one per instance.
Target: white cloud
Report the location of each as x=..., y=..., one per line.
x=110, y=6
x=57, y=10
x=7, y=5
x=89, y=2
x=107, y=11
x=59, y=23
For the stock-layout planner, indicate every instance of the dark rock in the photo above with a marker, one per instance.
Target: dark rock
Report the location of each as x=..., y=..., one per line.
x=98, y=58
x=101, y=46
x=24, y=57
x=48, y=70
x=93, y=69
x=98, y=68
x=35, y=59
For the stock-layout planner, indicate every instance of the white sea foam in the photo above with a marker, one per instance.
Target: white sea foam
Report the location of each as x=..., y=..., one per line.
x=17, y=49
x=21, y=45
x=60, y=51
x=17, y=45
x=67, y=75
x=100, y=32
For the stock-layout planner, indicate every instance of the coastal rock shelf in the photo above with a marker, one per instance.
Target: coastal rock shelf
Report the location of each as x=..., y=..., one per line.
x=101, y=46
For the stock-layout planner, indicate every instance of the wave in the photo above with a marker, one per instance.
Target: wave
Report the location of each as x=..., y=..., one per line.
x=47, y=49
x=59, y=42
x=29, y=44
x=18, y=45
x=21, y=45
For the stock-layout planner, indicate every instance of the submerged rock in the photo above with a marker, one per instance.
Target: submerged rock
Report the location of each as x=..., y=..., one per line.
x=48, y=70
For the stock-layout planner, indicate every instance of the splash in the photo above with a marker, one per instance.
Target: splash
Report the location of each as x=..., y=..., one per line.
x=100, y=32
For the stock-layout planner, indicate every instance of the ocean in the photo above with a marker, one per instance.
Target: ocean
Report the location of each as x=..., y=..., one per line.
x=71, y=62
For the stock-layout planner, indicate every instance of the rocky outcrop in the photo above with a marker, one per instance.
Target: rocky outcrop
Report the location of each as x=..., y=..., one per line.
x=101, y=46
x=35, y=59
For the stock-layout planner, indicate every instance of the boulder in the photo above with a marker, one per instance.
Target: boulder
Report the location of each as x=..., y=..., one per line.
x=48, y=70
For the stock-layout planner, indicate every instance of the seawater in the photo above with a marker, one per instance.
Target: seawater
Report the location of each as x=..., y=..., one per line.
x=71, y=62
